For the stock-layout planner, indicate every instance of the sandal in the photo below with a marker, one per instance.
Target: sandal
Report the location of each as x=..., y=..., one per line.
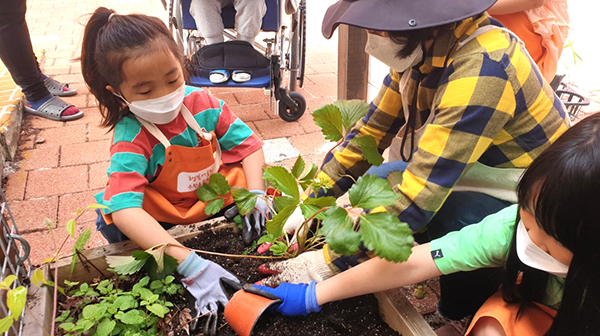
x=241, y=76
x=53, y=109
x=218, y=76
x=59, y=89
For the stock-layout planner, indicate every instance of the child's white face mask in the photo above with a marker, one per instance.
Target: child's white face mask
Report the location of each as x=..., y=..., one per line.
x=161, y=110
x=533, y=256
x=385, y=50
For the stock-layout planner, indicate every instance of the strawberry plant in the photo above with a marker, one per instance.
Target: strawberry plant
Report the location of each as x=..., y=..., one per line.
x=380, y=232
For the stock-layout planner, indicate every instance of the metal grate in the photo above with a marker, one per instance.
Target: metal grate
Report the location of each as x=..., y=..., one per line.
x=14, y=256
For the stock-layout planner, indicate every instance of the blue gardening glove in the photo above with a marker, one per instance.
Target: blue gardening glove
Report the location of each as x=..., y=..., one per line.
x=202, y=283
x=254, y=222
x=298, y=299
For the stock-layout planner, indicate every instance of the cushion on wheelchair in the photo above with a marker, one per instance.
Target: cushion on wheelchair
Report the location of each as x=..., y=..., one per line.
x=230, y=55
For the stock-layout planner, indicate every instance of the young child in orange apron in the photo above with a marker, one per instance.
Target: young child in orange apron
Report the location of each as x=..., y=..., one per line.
x=547, y=245
x=165, y=144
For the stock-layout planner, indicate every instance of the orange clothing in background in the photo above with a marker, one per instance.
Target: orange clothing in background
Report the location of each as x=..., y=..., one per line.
x=544, y=30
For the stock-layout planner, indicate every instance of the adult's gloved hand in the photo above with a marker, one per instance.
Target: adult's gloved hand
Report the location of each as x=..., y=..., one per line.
x=253, y=223
x=307, y=267
x=205, y=292
x=297, y=299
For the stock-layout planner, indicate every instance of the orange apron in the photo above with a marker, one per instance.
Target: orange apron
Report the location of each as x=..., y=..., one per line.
x=171, y=197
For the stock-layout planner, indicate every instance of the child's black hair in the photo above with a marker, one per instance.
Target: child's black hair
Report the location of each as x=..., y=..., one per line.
x=561, y=189
x=109, y=41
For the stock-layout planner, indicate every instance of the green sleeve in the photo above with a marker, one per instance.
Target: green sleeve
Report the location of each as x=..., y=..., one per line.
x=485, y=244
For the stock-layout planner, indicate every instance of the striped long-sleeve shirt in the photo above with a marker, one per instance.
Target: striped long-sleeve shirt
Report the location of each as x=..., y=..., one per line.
x=137, y=157
x=490, y=105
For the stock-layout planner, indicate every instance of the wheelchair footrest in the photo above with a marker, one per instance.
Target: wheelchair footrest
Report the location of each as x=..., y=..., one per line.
x=261, y=78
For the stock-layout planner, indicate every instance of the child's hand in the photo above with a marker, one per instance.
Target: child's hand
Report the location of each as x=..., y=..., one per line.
x=254, y=222
x=298, y=299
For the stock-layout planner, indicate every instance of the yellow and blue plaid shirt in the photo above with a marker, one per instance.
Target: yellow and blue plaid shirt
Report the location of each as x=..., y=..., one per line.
x=491, y=105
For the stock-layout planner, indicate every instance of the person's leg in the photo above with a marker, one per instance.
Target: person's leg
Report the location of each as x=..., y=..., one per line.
x=248, y=18
x=16, y=50
x=464, y=292
x=112, y=233
x=207, y=14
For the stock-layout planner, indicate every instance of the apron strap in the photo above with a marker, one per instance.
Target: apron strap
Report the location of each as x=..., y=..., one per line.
x=191, y=121
x=151, y=127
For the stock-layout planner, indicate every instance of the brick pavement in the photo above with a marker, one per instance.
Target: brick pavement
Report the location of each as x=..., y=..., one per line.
x=60, y=166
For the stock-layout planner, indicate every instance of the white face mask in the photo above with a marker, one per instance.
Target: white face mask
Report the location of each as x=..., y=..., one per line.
x=385, y=50
x=533, y=256
x=161, y=110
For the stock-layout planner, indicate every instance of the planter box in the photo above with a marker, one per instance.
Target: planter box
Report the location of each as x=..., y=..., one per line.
x=394, y=307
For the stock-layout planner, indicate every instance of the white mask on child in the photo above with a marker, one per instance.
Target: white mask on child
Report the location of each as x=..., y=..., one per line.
x=385, y=50
x=533, y=256
x=161, y=110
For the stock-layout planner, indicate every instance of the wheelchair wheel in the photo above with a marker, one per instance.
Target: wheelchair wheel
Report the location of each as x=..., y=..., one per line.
x=292, y=113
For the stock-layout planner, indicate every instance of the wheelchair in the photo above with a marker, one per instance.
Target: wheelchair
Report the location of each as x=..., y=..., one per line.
x=284, y=48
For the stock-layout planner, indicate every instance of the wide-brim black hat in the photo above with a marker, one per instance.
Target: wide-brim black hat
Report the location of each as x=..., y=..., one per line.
x=400, y=15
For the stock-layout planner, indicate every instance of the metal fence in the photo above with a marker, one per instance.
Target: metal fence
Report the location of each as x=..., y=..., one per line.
x=14, y=256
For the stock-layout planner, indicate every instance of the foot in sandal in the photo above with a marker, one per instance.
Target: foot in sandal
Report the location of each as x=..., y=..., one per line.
x=57, y=88
x=53, y=108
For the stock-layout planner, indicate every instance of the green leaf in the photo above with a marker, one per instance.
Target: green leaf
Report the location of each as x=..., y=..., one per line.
x=48, y=260
x=219, y=184
x=368, y=145
x=83, y=239
x=238, y=221
x=275, y=225
x=84, y=325
x=5, y=323
x=312, y=205
x=169, y=266
x=214, y=206
x=105, y=327
x=37, y=277
x=158, y=253
x=158, y=310
x=370, y=192
x=71, y=227
x=329, y=118
x=95, y=206
x=278, y=248
x=134, y=316
x=283, y=180
x=50, y=283
x=5, y=284
x=147, y=295
x=15, y=300
x=94, y=312
x=386, y=236
x=244, y=200
x=125, y=302
x=206, y=193
x=281, y=202
x=126, y=265
x=49, y=224
x=169, y=279
x=68, y=326
x=268, y=238
x=63, y=316
x=339, y=233
x=298, y=167
x=307, y=179
x=156, y=284
x=352, y=111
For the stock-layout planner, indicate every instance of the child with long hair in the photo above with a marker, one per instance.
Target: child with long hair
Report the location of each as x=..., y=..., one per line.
x=547, y=245
x=165, y=144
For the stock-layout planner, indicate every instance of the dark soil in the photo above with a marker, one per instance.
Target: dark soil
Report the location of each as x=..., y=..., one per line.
x=356, y=316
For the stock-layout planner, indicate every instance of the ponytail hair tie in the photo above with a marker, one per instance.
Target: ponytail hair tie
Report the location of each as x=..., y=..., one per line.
x=111, y=16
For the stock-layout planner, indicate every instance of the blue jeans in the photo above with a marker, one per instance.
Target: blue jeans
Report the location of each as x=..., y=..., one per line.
x=112, y=232
x=462, y=293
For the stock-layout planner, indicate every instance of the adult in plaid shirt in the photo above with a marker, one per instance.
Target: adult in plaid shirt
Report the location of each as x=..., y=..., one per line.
x=464, y=110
